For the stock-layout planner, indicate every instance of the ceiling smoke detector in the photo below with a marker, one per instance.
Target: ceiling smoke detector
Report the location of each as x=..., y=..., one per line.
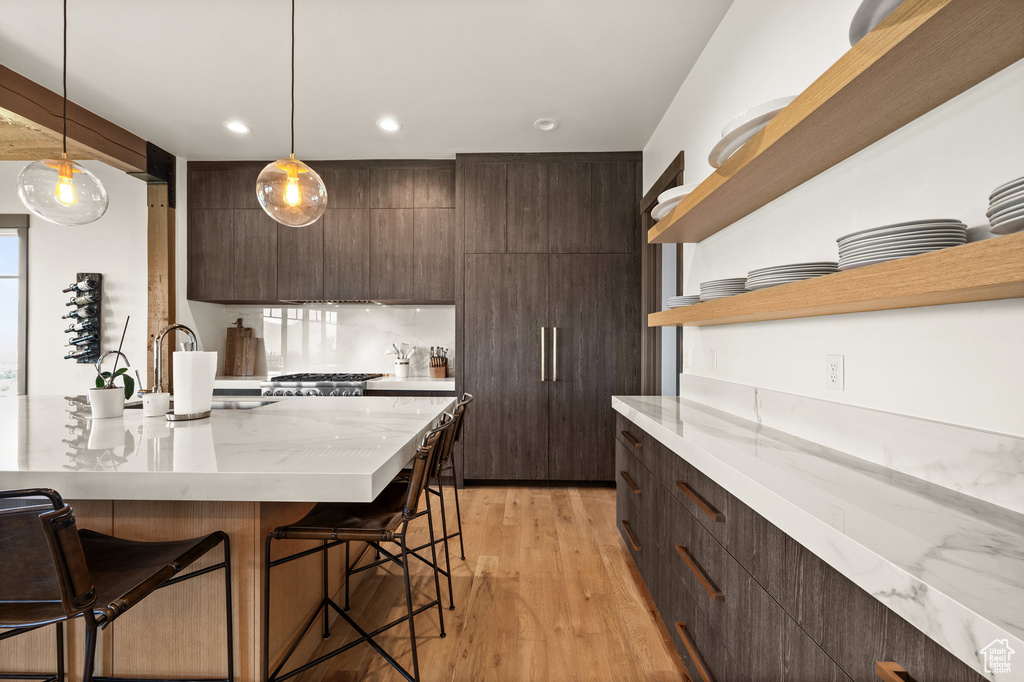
x=545, y=124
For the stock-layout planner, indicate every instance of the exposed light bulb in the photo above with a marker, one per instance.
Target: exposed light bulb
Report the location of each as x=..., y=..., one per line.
x=65, y=192
x=292, y=196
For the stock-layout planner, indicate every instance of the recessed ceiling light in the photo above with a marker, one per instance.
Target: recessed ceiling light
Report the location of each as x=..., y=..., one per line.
x=389, y=124
x=545, y=124
x=237, y=127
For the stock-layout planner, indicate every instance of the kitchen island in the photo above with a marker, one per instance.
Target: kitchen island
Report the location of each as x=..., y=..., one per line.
x=253, y=465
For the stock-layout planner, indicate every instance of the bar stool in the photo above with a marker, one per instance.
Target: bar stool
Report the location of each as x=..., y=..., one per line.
x=386, y=519
x=56, y=572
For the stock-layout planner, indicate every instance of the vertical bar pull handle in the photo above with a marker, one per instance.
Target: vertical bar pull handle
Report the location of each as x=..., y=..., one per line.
x=554, y=353
x=543, y=355
x=698, y=660
x=892, y=672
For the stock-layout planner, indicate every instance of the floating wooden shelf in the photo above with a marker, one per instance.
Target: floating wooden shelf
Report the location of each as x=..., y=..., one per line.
x=982, y=271
x=925, y=53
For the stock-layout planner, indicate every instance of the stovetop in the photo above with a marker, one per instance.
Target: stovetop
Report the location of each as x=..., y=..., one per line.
x=313, y=384
x=321, y=378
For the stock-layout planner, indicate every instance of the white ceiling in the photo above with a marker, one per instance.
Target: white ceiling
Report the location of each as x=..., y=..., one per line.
x=460, y=75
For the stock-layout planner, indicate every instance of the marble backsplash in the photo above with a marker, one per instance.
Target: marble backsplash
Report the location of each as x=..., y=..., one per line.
x=982, y=464
x=345, y=337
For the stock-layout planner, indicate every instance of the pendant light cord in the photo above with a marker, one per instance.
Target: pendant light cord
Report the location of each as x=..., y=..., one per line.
x=293, y=77
x=65, y=81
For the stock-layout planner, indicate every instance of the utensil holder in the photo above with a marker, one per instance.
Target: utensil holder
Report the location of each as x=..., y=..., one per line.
x=401, y=369
x=439, y=371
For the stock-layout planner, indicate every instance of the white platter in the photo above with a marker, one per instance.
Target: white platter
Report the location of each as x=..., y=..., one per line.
x=1006, y=187
x=1012, y=215
x=898, y=239
x=739, y=136
x=924, y=243
x=912, y=226
x=792, y=266
x=1009, y=227
x=664, y=208
x=870, y=14
x=1007, y=198
x=756, y=112
x=680, y=192
x=1003, y=212
x=888, y=255
x=790, y=278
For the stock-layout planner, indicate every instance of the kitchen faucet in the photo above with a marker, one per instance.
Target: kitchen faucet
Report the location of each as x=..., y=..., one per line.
x=158, y=343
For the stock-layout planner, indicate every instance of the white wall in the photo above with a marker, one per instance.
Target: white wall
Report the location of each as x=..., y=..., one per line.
x=959, y=364
x=115, y=245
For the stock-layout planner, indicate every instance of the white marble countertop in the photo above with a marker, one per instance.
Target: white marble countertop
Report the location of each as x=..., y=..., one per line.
x=952, y=565
x=411, y=384
x=298, y=449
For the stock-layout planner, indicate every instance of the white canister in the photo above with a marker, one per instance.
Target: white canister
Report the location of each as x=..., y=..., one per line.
x=402, y=369
x=106, y=402
x=155, y=404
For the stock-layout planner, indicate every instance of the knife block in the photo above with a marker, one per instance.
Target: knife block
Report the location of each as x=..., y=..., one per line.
x=439, y=371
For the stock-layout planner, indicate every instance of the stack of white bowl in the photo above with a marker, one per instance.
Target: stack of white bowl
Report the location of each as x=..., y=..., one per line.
x=1006, y=207
x=670, y=198
x=901, y=240
x=722, y=288
x=762, y=278
x=680, y=301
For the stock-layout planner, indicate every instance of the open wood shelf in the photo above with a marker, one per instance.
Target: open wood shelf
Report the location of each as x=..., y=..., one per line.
x=982, y=271
x=925, y=53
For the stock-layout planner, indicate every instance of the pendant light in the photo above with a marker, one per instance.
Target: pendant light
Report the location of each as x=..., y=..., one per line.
x=60, y=190
x=288, y=190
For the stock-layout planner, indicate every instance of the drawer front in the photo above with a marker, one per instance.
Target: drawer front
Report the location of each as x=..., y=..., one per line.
x=638, y=441
x=630, y=480
x=704, y=499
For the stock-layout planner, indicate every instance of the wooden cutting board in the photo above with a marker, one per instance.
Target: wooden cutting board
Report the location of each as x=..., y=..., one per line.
x=240, y=351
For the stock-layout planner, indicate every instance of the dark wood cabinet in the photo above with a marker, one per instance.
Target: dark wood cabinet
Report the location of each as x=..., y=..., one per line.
x=346, y=254
x=595, y=354
x=483, y=206
x=782, y=613
x=506, y=310
x=527, y=207
x=571, y=210
x=389, y=233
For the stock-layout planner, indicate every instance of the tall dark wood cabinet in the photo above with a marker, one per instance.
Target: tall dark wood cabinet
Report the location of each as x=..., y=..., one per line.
x=551, y=323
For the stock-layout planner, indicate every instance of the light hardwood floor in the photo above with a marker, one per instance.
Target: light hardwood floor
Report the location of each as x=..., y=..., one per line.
x=547, y=592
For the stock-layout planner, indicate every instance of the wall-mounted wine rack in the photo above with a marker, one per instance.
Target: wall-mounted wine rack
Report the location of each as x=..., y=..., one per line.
x=85, y=321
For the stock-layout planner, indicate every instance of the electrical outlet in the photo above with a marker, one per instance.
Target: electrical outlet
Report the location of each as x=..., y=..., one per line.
x=835, y=516
x=834, y=372
x=687, y=358
x=713, y=360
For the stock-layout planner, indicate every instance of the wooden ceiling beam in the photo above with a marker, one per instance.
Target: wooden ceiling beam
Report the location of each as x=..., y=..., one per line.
x=31, y=124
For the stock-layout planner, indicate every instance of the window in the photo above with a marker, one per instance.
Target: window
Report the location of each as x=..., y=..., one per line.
x=13, y=303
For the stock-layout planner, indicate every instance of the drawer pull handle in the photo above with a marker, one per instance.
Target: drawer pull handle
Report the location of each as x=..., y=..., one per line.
x=892, y=672
x=702, y=577
x=629, y=534
x=629, y=482
x=701, y=502
x=695, y=656
x=632, y=440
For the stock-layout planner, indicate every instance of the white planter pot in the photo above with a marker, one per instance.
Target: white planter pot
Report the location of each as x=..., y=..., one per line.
x=106, y=402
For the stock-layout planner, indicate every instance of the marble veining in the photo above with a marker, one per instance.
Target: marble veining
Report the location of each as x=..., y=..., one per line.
x=304, y=449
x=950, y=564
x=982, y=464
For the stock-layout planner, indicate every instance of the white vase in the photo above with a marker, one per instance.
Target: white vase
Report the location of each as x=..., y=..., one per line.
x=106, y=402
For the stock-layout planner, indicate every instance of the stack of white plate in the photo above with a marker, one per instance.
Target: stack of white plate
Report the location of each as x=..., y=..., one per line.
x=889, y=242
x=762, y=278
x=722, y=288
x=670, y=198
x=680, y=301
x=1006, y=207
x=744, y=126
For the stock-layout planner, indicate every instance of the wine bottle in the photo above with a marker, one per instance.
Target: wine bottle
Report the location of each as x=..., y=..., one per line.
x=87, y=325
x=79, y=340
x=81, y=313
x=84, y=285
x=84, y=299
x=80, y=353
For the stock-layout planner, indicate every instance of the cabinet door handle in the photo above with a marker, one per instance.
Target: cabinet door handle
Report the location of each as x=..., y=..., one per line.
x=892, y=672
x=629, y=481
x=698, y=660
x=543, y=354
x=700, y=502
x=632, y=440
x=629, y=534
x=702, y=577
x=554, y=353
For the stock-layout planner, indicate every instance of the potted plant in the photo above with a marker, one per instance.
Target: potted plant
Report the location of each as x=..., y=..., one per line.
x=107, y=399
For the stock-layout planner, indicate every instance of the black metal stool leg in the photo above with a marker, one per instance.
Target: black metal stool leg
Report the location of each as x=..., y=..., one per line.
x=408, y=604
x=347, y=569
x=228, y=609
x=444, y=531
x=60, y=652
x=323, y=603
x=433, y=556
x=266, y=609
x=458, y=512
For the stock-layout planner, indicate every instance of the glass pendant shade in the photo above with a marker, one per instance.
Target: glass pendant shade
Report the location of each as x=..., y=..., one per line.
x=291, y=193
x=62, y=192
